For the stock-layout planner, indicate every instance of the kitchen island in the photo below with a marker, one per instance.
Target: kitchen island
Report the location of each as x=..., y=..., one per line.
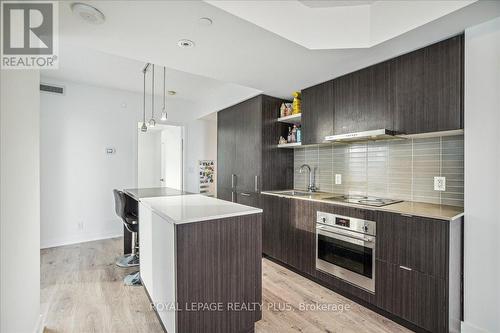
x=200, y=262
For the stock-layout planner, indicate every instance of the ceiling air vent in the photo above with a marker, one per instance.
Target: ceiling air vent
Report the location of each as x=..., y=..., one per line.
x=52, y=89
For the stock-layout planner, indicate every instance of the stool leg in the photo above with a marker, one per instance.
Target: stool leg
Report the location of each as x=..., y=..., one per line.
x=130, y=260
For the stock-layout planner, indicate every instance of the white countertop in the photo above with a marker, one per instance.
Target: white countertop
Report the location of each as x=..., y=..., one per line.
x=190, y=208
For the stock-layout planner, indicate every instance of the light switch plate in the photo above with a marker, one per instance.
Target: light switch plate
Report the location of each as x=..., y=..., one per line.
x=338, y=179
x=439, y=183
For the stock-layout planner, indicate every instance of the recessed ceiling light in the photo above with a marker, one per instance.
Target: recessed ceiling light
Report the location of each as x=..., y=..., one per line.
x=186, y=43
x=206, y=21
x=88, y=13
x=172, y=92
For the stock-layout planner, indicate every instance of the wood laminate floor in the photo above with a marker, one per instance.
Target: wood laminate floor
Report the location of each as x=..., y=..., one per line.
x=82, y=291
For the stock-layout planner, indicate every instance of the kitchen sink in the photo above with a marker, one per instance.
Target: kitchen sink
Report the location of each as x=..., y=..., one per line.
x=297, y=193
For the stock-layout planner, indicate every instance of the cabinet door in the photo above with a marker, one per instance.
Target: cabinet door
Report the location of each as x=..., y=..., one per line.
x=414, y=296
x=427, y=246
x=443, y=87
x=362, y=100
x=248, y=141
x=226, y=194
x=248, y=199
x=392, y=238
x=407, y=97
x=317, y=112
x=302, y=227
x=275, y=230
x=414, y=242
x=226, y=147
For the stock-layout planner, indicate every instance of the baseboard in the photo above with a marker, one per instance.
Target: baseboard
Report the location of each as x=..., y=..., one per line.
x=82, y=238
x=470, y=328
x=40, y=324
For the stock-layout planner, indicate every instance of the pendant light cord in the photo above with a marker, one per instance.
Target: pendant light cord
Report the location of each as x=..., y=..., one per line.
x=164, y=89
x=153, y=92
x=144, y=99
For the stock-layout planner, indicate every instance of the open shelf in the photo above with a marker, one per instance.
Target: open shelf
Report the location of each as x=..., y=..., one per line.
x=292, y=119
x=290, y=145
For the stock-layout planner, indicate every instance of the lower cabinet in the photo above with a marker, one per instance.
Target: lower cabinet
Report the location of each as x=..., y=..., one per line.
x=416, y=297
x=248, y=199
x=418, y=260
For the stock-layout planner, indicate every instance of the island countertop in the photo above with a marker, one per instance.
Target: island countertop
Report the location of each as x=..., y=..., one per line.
x=188, y=208
x=139, y=193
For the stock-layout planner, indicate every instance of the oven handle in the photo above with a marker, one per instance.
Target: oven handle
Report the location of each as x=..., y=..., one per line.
x=329, y=230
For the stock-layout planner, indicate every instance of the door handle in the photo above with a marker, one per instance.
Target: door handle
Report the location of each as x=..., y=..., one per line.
x=233, y=180
x=256, y=182
x=245, y=194
x=405, y=268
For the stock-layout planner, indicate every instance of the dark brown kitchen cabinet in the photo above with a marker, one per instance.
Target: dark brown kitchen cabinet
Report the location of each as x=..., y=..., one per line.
x=419, y=269
x=427, y=88
x=300, y=242
x=416, y=297
x=317, y=113
x=247, y=144
x=289, y=231
x=275, y=220
x=225, y=193
x=361, y=100
x=248, y=199
x=414, y=242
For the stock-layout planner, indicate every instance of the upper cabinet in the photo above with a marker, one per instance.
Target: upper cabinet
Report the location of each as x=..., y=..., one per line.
x=418, y=92
x=362, y=100
x=317, y=112
x=427, y=87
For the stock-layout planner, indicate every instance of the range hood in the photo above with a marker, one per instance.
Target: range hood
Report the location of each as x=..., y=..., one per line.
x=380, y=134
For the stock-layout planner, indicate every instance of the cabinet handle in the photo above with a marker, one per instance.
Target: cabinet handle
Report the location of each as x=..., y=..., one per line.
x=405, y=268
x=256, y=181
x=406, y=215
x=232, y=196
x=233, y=180
x=245, y=194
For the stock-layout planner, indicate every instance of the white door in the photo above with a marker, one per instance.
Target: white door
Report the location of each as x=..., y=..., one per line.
x=171, y=157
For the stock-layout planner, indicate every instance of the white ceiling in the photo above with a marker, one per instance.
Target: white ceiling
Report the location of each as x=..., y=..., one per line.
x=339, y=25
x=195, y=95
x=233, y=59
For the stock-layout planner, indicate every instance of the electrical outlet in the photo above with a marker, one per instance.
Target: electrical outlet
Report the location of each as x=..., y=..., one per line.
x=338, y=179
x=439, y=183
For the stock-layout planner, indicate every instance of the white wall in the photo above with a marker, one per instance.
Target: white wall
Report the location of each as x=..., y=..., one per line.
x=77, y=177
x=19, y=201
x=200, y=141
x=482, y=178
x=149, y=159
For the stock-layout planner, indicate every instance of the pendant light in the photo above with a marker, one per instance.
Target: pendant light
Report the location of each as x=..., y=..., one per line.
x=152, y=122
x=164, y=109
x=144, y=127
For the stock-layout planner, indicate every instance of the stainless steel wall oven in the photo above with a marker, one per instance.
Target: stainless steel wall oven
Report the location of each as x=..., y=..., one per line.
x=345, y=248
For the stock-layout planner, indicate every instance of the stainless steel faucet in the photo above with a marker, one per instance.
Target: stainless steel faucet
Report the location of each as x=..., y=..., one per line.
x=311, y=187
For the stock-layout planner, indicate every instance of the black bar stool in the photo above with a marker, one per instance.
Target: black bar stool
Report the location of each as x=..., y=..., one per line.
x=131, y=223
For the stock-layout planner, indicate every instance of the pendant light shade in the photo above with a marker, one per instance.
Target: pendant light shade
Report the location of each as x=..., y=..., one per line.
x=164, y=109
x=152, y=122
x=144, y=127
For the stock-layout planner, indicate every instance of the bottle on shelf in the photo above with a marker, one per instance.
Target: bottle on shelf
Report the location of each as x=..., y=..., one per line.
x=294, y=133
x=289, y=138
x=298, y=135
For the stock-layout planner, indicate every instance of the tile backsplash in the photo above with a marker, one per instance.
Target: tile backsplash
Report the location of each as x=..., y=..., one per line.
x=399, y=169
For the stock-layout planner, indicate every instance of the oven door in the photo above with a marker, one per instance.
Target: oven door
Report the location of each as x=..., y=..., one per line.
x=347, y=255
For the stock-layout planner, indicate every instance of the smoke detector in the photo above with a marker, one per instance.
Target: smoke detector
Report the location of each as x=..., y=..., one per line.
x=88, y=13
x=185, y=43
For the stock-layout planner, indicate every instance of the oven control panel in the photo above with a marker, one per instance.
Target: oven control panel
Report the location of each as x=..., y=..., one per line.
x=348, y=223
